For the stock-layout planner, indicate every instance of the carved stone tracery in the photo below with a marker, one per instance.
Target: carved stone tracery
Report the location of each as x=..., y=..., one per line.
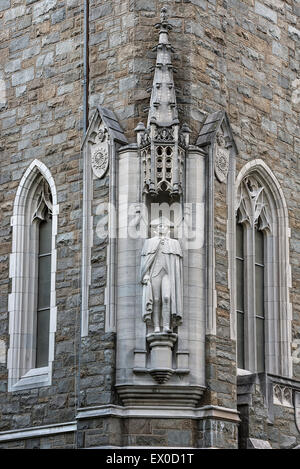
x=252, y=205
x=282, y=395
x=44, y=203
x=163, y=161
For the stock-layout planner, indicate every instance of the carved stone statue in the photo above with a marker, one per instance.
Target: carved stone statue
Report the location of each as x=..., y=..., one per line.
x=161, y=276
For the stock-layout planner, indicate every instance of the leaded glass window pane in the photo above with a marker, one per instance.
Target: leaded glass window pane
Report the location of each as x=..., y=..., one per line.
x=259, y=290
x=239, y=241
x=42, y=346
x=44, y=281
x=45, y=234
x=240, y=266
x=240, y=284
x=259, y=247
x=260, y=344
x=240, y=341
x=259, y=300
x=240, y=294
x=43, y=297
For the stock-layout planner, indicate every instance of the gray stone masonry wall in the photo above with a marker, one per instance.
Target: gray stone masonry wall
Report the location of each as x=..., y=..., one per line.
x=241, y=56
x=40, y=117
x=261, y=419
x=139, y=432
x=97, y=352
x=220, y=349
x=62, y=441
x=157, y=432
x=99, y=432
x=217, y=434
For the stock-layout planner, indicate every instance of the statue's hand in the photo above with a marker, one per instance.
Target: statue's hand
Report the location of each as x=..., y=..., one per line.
x=145, y=279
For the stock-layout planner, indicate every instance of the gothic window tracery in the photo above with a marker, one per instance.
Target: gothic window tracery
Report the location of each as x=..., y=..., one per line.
x=32, y=301
x=261, y=259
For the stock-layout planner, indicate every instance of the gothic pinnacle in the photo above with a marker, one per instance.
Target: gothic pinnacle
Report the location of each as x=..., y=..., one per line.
x=163, y=107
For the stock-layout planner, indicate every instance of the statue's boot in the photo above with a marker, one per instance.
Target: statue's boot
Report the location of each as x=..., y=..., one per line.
x=166, y=317
x=156, y=311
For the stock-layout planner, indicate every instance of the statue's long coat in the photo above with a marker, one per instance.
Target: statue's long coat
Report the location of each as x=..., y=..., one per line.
x=173, y=256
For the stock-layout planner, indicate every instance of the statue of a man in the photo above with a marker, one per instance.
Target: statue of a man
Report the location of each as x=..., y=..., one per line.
x=161, y=276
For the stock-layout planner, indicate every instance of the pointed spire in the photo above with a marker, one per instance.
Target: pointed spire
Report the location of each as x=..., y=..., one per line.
x=163, y=106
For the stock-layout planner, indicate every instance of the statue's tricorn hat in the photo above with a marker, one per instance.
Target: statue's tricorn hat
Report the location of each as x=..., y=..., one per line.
x=162, y=221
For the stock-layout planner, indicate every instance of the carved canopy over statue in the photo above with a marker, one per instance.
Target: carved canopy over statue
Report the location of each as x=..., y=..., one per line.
x=161, y=276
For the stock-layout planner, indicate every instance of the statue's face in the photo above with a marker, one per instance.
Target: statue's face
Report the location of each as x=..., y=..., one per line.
x=221, y=140
x=162, y=230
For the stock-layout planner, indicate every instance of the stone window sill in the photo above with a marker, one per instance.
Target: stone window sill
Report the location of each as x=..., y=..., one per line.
x=34, y=378
x=241, y=372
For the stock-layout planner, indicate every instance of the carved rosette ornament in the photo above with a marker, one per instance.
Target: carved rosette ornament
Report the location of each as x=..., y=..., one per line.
x=99, y=152
x=221, y=158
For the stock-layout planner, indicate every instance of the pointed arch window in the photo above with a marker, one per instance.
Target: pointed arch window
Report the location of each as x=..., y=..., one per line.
x=32, y=310
x=262, y=279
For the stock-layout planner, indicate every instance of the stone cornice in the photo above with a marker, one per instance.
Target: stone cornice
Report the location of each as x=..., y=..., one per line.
x=205, y=412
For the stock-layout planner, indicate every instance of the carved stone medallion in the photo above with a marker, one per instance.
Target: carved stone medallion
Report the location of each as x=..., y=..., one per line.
x=221, y=159
x=99, y=153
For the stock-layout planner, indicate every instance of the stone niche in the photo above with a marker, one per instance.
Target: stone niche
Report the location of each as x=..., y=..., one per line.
x=160, y=254
x=159, y=360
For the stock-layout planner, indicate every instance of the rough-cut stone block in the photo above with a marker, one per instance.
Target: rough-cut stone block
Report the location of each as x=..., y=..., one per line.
x=12, y=66
x=4, y=5
x=145, y=5
x=266, y=12
x=58, y=16
x=24, y=76
x=19, y=43
x=100, y=11
x=64, y=47
x=43, y=7
x=13, y=13
x=269, y=125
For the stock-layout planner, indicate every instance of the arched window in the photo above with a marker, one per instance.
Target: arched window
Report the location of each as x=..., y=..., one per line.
x=263, y=311
x=32, y=310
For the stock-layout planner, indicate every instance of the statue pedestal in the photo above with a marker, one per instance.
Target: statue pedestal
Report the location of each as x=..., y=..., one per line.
x=161, y=345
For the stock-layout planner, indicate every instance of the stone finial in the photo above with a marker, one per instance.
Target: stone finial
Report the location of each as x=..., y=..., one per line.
x=140, y=127
x=164, y=14
x=163, y=108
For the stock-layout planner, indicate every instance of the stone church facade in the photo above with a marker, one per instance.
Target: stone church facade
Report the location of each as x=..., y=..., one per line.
x=150, y=253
